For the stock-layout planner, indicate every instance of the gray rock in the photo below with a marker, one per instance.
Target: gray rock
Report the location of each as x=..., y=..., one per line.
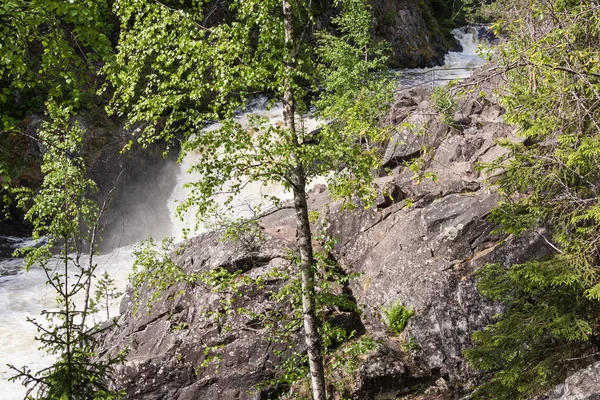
x=169, y=344
x=10, y=266
x=420, y=246
x=389, y=193
x=383, y=375
x=419, y=130
x=582, y=385
x=401, y=23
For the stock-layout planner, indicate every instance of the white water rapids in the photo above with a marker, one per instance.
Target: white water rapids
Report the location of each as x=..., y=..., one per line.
x=457, y=64
x=253, y=193
x=25, y=294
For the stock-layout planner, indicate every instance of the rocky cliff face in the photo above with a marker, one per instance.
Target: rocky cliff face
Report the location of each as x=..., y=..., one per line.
x=420, y=247
x=582, y=385
x=402, y=24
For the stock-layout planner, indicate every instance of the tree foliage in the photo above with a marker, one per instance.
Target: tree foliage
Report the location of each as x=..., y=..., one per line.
x=550, y=187
x=50, y=49
x=174, y=73
x=62, y=213
x=156, y=274
x=50, y=52
x=177, y=68
x=441, y=16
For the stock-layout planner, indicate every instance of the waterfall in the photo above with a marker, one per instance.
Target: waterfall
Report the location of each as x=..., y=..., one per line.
x=25, y=294
x=252, y=195
x=457, y=64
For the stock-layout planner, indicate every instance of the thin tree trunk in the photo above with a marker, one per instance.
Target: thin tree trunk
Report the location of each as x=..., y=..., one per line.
x=68, y=323
x=303, y=232
x=311, y=323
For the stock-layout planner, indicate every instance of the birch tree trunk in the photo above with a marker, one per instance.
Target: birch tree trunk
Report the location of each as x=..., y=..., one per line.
x=303, y=231
x=311, y=323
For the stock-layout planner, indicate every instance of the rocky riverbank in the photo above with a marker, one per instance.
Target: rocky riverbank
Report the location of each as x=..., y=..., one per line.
x=420, y=246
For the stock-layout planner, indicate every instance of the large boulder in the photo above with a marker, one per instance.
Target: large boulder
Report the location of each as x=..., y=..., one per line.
x=171, y=344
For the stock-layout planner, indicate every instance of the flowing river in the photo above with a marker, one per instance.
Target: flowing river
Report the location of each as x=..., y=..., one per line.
x=25, y=294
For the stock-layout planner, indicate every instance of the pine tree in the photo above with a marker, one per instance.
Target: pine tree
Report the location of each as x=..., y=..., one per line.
x=550, y=186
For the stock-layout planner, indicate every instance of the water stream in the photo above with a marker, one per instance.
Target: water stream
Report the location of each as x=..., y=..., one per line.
x=25, y=294
x=252, y=194
x=457, y=64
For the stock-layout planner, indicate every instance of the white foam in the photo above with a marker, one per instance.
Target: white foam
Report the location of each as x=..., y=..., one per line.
x=457, y=64
x=25, y=295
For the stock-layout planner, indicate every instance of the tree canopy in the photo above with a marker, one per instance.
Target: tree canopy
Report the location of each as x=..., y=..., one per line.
x=50, y=49
x=175, y=72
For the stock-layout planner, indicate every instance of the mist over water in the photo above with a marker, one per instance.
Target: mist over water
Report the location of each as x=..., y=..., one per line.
x=25, y=294
x=139, y=209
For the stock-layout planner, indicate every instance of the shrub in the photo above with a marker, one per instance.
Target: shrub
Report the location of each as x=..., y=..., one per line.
x=397, y=316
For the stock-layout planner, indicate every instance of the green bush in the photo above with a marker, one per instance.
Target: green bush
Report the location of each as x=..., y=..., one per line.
x=397, y=316
x=549, y=190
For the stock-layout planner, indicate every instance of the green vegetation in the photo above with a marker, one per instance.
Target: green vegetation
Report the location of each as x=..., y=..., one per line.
x=397, y=316
x=154, y=267
x=50, y=52
x=550, y=190
x=174, y=72
x=280, y=322
x=105, y=292
x=441, y=16
x=340, y=346
x=177, y=69
x=445, y=103
x=62, y=212
x=411, y=345
x=344, y=363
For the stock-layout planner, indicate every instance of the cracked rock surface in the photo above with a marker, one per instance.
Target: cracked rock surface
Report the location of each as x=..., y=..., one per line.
x=420, y=246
